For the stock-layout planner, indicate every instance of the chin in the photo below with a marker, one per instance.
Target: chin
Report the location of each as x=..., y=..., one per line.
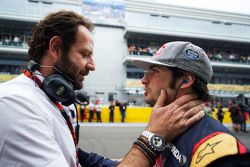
x=77, y=86
x=150, y=102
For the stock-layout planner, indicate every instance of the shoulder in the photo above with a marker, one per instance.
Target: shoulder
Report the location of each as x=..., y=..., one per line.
x=20, y=85
x=21, y=96
x=241, y=160
x=214, y=146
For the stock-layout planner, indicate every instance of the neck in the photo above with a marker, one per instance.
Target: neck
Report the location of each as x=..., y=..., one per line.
x=183, y=92
x=44, y=70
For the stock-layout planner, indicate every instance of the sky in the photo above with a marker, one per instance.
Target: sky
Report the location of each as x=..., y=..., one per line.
x=232, y=6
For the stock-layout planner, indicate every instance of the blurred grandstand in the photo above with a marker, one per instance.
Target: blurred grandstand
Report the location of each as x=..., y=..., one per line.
x=140, y=30
x=16, y=21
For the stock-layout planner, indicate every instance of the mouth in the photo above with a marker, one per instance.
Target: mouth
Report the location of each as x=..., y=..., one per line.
x=82, y=75
x=86, y=73
x=146, y=90
x=81, y=78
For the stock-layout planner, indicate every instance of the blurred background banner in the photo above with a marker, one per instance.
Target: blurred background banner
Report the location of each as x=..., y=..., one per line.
x=107, y=12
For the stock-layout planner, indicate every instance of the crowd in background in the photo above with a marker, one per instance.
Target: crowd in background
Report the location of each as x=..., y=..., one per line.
x=92, y=110
x=11, y=69
x=239, y=114
x=14, y=40
x=214, y=55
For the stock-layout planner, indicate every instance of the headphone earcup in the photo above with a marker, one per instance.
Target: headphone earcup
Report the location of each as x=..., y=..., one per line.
x=32, y=66
x=58, y=88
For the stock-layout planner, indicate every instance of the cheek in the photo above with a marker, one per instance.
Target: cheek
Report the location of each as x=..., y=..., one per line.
x=156, y=88
x=161, y=84
x=81, y=63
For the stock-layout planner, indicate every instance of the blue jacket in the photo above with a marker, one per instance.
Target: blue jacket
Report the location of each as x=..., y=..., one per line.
x=200, y=145
x=94, y=160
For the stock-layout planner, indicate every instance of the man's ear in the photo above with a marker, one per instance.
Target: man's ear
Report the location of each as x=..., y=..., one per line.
x=55, y=44
x=187, y=80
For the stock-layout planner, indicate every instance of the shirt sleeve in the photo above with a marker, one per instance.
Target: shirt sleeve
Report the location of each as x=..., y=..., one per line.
x=94, y=160
x=27, y=138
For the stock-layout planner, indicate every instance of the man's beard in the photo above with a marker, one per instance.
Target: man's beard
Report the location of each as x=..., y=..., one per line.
x=69, y=70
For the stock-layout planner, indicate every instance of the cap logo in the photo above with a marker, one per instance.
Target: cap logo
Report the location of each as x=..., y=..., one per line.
x=192, y=54
x=158, y=53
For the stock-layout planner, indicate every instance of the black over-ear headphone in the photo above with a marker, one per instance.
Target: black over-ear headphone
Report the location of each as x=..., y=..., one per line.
x=58, y=87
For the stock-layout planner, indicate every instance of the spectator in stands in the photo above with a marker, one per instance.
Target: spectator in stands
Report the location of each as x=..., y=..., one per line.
x=131, y=49
x=243, y=59
x=144, y=51
x=34, y=126
x=150, y=51
x=210, y=55
x=16, y=41
x=7, y=40
x=248, y=59
x=139, y=50
x=177, y=69
x=232, y=57
x=218, y=56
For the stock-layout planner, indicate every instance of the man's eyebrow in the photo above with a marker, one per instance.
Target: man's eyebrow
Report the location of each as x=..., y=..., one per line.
x=153, y=66
x=85, y=51
x=157, y=67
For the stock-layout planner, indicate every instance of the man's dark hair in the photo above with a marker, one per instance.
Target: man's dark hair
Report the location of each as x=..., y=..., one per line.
x=199, y=86
x=63, y=24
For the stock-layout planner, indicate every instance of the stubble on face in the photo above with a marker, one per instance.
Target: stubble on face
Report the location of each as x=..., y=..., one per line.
x=151, y=99
x=68, y=68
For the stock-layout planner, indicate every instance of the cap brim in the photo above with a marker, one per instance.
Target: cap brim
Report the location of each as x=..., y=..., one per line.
x=145, y=62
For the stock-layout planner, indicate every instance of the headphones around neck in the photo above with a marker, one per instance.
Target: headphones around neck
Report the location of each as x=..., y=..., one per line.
x=57, y=86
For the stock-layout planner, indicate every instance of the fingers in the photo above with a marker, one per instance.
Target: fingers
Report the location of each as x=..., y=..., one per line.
x=184, y=102
x=195, y=118
x=193, y=112
x=193, y=108
x=161, y=100
x=185, y=99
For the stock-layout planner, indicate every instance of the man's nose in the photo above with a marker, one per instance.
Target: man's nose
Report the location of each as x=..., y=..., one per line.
x=144, y=79
x=91, y=64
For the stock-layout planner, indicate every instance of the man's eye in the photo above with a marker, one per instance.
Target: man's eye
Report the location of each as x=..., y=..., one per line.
x=154, y=71
x=84, y=55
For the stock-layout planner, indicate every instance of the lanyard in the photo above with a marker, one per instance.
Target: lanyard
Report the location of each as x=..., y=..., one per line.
x=62, y=111
x=66, y=117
